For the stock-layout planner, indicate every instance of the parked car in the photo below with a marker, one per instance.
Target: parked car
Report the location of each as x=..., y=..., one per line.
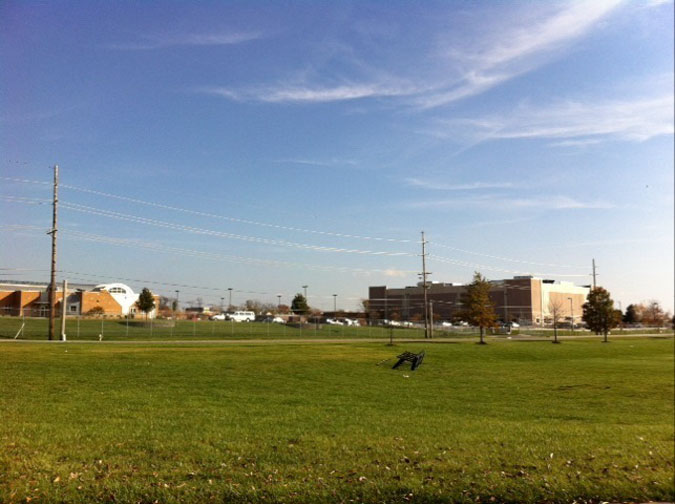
x=350, y=322
x=241, y=316
x=220, y=316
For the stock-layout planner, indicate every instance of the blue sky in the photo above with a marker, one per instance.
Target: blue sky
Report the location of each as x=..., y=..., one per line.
x=264, y=146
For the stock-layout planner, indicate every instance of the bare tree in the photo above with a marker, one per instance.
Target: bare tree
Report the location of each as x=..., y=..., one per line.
x=555, y=309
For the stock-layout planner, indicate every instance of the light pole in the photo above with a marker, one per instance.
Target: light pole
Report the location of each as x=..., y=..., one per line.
x=229, y=304
x=304, y=287
x=221, y=304
x=177, y=293
x=278, y=302
x=334, y=305
x=571, y=313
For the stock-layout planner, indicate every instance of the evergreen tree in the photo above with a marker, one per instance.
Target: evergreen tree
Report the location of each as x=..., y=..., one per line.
x=478, y=309
x=146, y=301
x=599, y=312
x=632, y=315
x=299, y=305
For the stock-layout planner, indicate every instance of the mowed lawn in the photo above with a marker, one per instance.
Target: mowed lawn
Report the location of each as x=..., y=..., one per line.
x=113, y=329
x=505, y=422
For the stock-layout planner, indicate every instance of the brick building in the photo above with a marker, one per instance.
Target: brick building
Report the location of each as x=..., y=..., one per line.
x=32, y=299
x=522, y=299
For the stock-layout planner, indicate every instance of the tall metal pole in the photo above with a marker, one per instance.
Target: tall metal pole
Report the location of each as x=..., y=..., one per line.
x=334, y=305
x=571, y=313
x=278, y=301
x=425, y=287
x=63, y=310
x=304, y=288
x=229, y=303
x=52, y=283
x=594, y=274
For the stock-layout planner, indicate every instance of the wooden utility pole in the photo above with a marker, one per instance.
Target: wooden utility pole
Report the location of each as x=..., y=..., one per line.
x=425, y=287
x=52, y=283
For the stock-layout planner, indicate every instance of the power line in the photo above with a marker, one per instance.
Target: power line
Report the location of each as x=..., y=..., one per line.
x=221, y=234
x=502, y=258
x=212, y=215
x=137, y=244
x=448, y=260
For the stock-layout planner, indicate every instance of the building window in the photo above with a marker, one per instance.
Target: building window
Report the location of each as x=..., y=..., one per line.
x=73, y=308
x=117, y=290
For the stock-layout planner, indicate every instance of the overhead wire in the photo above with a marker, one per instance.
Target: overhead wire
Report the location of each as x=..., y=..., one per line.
x=266, y=241
x=221, y=234
x=448, y=260
x=212, y=215
x=134, y=243
x=502, y=258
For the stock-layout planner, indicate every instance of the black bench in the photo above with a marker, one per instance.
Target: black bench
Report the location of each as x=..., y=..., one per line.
x=415, y=359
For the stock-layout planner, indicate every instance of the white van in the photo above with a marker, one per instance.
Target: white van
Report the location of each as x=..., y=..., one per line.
x=241, y=316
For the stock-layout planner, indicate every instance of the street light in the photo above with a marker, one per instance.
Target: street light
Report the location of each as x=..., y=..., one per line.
x=177, y=292
x=278, y=301
x=305, y=289
x=221, y=304
x=334, y=305
x=229, y=304
x=571, y=313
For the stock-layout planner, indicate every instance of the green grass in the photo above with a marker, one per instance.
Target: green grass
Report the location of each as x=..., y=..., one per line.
x=113, y=329
x=117, y=330
x=506, y=422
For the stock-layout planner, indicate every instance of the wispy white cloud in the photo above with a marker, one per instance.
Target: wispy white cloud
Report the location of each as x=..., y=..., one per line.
x=576, y=143
x=517, y=50
x=328, y=163
x=439, y=186
x=582, y=123
x=505, y=49
x=294, y=93
x=149, y=42
x=395, y=273
x=550, y=202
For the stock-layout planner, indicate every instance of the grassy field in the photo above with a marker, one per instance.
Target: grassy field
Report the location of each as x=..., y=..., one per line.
x=119, y=330
x=506, y=422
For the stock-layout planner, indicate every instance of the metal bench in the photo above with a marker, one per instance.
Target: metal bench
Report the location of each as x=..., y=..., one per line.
x=415, y=359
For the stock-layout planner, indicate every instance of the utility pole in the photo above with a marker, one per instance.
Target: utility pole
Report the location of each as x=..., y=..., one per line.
x=63, y=310
x=334, y=305
x=594, y=274
x=425, y=287
x=229, y=305
x=52, y=283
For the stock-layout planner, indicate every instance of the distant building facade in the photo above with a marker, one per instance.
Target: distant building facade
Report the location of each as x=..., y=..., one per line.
x=32, y=299
x=523, y=299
